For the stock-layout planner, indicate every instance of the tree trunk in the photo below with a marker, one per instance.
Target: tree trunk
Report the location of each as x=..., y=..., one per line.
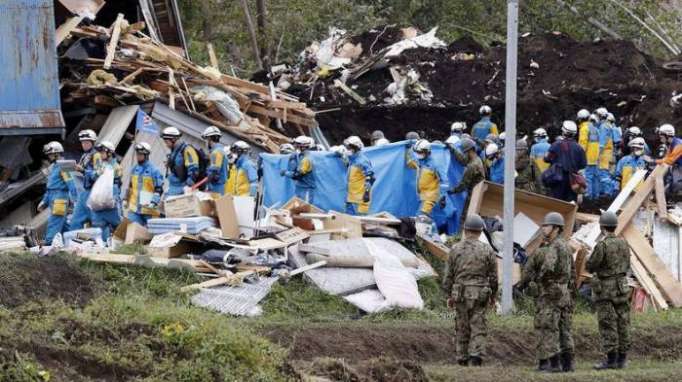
x=262, y=20
x=252, y=33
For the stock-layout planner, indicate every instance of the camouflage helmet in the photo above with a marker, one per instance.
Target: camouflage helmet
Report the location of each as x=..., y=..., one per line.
x=467, y=144
x=474, y=222
x=608, y=219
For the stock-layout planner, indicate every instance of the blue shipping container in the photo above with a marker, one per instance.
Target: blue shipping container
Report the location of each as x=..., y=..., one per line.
x=29, y=83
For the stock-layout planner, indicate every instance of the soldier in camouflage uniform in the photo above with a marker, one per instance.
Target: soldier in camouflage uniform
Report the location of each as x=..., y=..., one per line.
x=470, y=279
x=549, y=276
x=474, y=171
x=524, y=170
x=609, y=265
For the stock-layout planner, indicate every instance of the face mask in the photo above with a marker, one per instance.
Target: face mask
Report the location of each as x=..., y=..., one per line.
x=421, y=156
x=232, y=158
x=638, y=152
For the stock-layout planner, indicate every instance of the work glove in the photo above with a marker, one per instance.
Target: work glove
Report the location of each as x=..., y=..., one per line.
x=365, y=197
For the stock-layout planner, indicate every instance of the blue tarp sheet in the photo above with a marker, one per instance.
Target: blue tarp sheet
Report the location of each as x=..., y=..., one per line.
x=394, y=190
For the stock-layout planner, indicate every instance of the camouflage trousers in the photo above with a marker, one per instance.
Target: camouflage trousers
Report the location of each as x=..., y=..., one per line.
x=553, y=329
x=471, y=328
x=614, y=325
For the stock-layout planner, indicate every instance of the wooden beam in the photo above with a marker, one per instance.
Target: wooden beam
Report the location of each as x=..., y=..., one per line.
x=113, y=42
x=632, y=205
x=647, y=283
x=439, y=250
x=357, y=97
x=212, y=58
x=65, y=29
x=661, y=204
x=624, y=194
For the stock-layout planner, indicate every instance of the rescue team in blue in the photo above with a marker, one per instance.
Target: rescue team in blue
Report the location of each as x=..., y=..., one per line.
x=592, y=158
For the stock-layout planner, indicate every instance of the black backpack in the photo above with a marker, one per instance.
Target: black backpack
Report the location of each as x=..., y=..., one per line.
x=181, y=173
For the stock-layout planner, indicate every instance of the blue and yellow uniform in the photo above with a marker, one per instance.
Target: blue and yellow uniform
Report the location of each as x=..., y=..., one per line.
x=589, y=139
x=81, y=212
x=60, y=191
x=300, y=169
x=182, y=168
x=483, y=128
x=537, y=154
x=496, y=171
x=360, y=177
x=107, y=220
x=606, y=145
x=144, y=193
x=627, y=166
x=430, y=182
x=243, y=178
x=217, y=171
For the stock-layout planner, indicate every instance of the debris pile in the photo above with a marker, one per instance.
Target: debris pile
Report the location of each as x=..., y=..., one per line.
x=386, y=79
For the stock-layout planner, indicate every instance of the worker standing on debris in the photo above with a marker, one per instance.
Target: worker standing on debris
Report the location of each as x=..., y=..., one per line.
x=301, y=168
x=495, y=161
x=145, y=188
x=243, y=178
x=672, y=144
x=485, y=126
x=60, y=193
x=378, y=138
x=629, y=164
x=107, y=220
x=525, y=171
x=588, y=137
x=360, y=177
x=217, y=170
x=606, y=155
x=182, y=165
x=549, y=276
x=430, y=179
x=470, y=282
x=474, y=172
x=631, y=133
x=566, y=158
x=88, y=161
x=609, y=264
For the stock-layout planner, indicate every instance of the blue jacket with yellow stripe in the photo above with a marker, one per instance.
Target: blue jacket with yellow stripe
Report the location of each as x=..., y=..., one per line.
x=183, y=167
x=300, y=169
x=360, y=177
x=627, y=166
x=146, y=187
x=60, y=189
x=217, y=170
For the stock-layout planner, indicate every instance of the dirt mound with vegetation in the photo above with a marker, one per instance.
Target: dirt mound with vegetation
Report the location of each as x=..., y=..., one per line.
x=30, y=279
x=373, y=370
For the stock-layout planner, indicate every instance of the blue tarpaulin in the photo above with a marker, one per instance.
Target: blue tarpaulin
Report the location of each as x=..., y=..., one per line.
x=393, y=191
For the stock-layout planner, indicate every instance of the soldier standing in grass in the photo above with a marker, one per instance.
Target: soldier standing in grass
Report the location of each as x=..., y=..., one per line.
x=609, y=265
x=470, y=281
x=549, y=276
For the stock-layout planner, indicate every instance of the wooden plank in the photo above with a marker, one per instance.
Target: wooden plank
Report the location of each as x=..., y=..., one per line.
x=357, y=97
x=624, y=194
x=647, y=283
x=632, y=205
x=439, y=250
x=145, y=261
x=113, y=42
x=477, y=198
x=378, y=220
x=273, y=113
x=212, y=58
x=65, y=29
x=661, y=205
x=351, y=223
x=670, y=288
x=583, y=218
x=306, y=268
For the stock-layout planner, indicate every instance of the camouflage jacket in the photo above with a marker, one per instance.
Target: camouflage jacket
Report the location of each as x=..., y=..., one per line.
x=525, y=178
x=471, y=263
x=474, y=172
x=552, y=269
x=610, y=263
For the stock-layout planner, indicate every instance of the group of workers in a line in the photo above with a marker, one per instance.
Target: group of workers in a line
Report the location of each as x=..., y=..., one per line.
x=228, y=170
x=470, y=281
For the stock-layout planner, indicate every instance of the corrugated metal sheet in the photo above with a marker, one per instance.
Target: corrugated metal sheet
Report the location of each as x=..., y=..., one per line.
x=29, y=84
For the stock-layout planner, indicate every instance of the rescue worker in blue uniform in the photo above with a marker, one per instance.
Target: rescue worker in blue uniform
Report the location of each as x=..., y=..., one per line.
x=108, y=219
x=539, y=149
x=88, y=161
x=145, y=188
x=60, y=193
x=218, y=167
x=569, y=158
x=631, y=133
x=606, y=154
x=243, y=176
x=182, y=165
x=588, y=138
x=431, y=181
x=495, y=162
x=617, y=136
x=484, y=127
x=457, y=129
x=360, y=177
x=378, y=138
x=300, y=169
x=629, y=164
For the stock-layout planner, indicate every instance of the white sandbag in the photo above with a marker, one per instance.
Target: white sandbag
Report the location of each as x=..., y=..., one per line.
x=102, y=194
x=394, y=280
x=370, y=301
x=406, y=257
x=354, y=253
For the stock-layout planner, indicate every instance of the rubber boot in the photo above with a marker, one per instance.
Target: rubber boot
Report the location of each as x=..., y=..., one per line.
x=476, y=361
x=543, y=366
x=621, y=362
x=611, y=362
x=463, y=362
x=567, y=364
x=554, y=364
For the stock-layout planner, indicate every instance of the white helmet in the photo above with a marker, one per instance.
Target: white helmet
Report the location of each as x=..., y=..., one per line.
x=583, y=114
x=452, y=140
x=491, y=150
x=339, y=149
x=667, y=129
x=53, y=147
x=106, y=145
x=381, y=142
x=304, y=142
x=457, y=127
x=240, y=146
x=170, y=133
x=143, y=147
x=610, y=117
x=637, y=143
x=211, y=131
x=422, y=146
x=540, y=133
x=634, y=131
x=593, y=118
x=87, y=135
x=485, y=110
x=569, y=128
x=354, y=142
x=502, y=136
x=602, y=112
x=286, y=148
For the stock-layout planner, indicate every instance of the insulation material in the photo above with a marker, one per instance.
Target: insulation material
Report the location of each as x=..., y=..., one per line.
x=226, y=105
x=426, y=40
x=241, y=300
x=356, y=253
x=370, y=301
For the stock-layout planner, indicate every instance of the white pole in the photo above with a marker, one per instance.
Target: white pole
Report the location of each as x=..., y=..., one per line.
x=510, y=153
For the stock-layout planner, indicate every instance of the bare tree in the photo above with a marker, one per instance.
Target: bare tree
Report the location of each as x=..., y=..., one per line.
x=252, y=33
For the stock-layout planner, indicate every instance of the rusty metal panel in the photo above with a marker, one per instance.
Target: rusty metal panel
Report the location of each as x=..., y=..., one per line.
x=29, y=83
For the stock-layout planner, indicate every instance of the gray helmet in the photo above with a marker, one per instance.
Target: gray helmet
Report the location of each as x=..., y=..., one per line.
x=467, y=144
x=377, y=134
x=554, y=218
x=608, y=219
x=474, y=223
x=411, y=135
